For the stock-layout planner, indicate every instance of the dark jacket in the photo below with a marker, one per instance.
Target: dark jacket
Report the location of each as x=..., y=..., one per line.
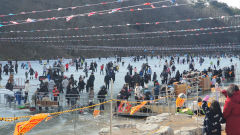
x=128, y=79
x=102, y=94
x=212, y=121
x=81, y=85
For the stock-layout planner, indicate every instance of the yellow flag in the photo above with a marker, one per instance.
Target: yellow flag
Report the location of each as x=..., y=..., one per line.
x=136, y=108
x=24, y=127
x=180, y=102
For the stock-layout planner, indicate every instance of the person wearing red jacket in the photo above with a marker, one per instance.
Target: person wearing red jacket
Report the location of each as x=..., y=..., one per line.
x=55, y=93
x=36, y=75
x=231, y=111
x=102, y=67
x=67, y=67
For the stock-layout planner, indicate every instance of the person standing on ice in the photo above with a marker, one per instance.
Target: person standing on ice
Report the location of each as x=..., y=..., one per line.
x=77, y=65
x=149, y=73
x=130, y=69
x=36, y=75
x=101, y=70
x=154, y=77
x=95, y=65
x=31, y=71
x=67, y=65
x=44, y=70
x=26, y=90
x=101, y=96
x=9, y=85
x=55, y=92
x=218, y=62
x=5, y=69
x=65, y=84
x=81, y=84
x=26, y=75
x=0, y=72
x=211, y=64
x=107, y=81
x=91, y=80
x=16, y=67
x=18, y=96
x=86, y=71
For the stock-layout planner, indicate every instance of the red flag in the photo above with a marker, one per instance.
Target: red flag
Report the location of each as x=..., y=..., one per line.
x=53, y=18
x=131, y=9
x=147, y=4
x=92, y=13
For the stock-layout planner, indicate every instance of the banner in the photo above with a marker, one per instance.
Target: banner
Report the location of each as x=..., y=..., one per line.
x=124, y=107
x=24, y=127
x=138, y=107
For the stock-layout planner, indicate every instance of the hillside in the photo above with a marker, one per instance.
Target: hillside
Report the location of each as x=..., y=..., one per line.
x=34, y=50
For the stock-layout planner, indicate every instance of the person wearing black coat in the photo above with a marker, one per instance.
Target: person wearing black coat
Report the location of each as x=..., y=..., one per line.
x=81, y=85
x=124, y=94
x=107, y=81
x=72, y=95
x=91, y=80
x=101, y=96
x=16, y=68
x=77, y=65
x=213, y=118
x=173, y=69
x=154, y=77
x=128, y=78
x=177, y=76
x=31, y=71
x=9, y=85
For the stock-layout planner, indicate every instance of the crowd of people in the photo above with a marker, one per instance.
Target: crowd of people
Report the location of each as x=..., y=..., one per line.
x=141, y=83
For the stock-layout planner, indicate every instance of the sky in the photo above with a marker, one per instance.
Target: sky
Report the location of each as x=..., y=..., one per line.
x=233, y=3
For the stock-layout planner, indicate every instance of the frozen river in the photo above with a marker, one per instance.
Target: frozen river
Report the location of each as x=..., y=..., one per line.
x=86, y=124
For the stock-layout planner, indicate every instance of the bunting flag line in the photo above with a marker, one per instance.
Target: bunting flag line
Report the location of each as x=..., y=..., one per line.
x=196, y=47
x=63, y=8
x=101, y=12
x=122, y=25
x=109, y=11
x=112, y=39
x=130, y=34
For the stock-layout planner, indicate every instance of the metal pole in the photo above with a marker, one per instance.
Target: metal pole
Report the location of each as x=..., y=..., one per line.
x=197, y=106
x=168, y=101
x=75, y=120
x=111, y=106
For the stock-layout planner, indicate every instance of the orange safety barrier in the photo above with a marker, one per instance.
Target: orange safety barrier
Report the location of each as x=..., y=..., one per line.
x=24, y=127
x=138, y=107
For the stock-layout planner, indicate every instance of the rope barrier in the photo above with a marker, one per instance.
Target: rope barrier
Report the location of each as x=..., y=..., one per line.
x=10, y=119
